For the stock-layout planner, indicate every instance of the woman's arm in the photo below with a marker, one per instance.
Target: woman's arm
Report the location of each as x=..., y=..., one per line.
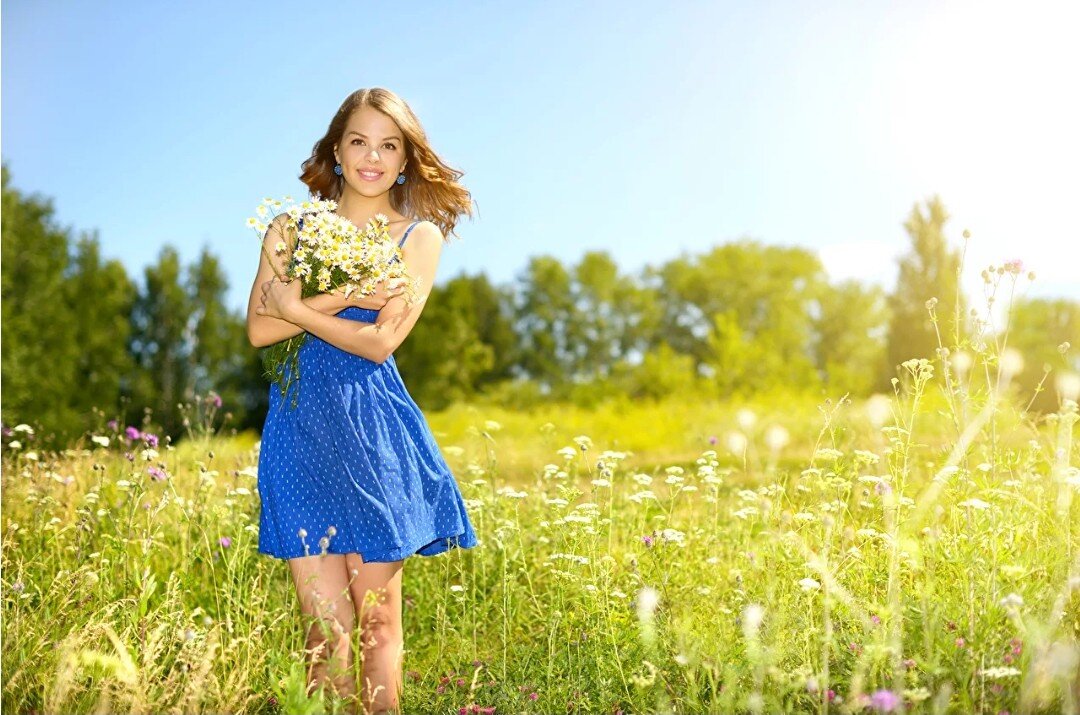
x=377, y=341
x=263, y=330
x=266, y=330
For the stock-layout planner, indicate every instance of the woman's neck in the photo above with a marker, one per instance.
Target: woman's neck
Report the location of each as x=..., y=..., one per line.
x=360, y=209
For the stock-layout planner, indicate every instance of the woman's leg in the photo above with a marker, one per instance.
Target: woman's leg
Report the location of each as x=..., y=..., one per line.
x=323, y=589
x=376, y=595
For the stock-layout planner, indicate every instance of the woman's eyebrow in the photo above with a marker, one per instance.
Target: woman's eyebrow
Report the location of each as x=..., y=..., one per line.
x=353, y=131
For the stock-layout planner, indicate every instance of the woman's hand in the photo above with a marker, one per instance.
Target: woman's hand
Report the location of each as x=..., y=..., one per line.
x=280, y=299
x=384, y=291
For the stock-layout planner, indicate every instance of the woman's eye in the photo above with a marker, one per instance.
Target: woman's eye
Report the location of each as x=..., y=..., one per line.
x=388, y=144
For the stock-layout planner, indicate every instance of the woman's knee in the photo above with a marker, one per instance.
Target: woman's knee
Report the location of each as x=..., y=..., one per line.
x=380, y=627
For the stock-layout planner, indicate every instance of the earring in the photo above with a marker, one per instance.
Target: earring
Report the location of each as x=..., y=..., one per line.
x=337, y=169
x=401, y=178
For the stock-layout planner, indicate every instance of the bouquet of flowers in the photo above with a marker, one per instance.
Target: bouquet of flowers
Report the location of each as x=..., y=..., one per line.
x=329, y=254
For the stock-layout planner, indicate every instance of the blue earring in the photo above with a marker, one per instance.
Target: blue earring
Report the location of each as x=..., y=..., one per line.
x=337, y=169
x=401, y=178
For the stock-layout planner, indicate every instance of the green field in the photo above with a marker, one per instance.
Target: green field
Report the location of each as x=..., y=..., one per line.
x=920, y=551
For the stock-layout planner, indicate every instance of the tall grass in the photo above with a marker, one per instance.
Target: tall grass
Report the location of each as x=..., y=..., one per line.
x=917, y=551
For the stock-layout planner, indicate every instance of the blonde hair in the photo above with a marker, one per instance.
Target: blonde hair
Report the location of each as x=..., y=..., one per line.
x=431, y=190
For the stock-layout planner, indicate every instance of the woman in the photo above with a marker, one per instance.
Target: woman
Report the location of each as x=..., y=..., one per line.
x=351, y=481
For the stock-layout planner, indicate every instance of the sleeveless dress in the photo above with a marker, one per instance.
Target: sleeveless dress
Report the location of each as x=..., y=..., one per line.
x=354, y=463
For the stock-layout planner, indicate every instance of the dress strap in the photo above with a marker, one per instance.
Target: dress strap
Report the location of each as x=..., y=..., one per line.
x=410, y=228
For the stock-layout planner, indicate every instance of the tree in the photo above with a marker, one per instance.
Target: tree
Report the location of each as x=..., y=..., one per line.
x=1037, y=327
x=100, y=296
x=850, y=331
x=544, y=308
x=743, y=312
x=444, y=355
x=929, y=270
x=161, y=341
x=40, y=349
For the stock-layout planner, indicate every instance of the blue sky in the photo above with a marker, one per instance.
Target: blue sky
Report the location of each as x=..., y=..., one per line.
x=643, y=129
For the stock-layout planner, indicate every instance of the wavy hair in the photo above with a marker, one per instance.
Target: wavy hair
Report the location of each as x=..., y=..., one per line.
x=431, y=190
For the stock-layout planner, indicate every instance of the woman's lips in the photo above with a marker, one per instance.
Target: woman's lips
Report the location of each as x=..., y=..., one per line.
x=370, y=177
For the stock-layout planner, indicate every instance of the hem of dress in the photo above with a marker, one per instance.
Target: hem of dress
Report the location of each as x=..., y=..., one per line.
x=437, y=545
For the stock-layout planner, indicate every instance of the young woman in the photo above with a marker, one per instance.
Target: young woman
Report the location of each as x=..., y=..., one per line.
x=351, y=481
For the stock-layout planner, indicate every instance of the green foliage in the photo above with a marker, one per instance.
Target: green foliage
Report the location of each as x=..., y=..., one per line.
x=850, y=332
x=929, y=270
x=1037, y=327
x=63, y=321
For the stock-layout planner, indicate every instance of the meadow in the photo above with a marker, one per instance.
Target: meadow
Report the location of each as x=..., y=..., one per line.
x=911, y=552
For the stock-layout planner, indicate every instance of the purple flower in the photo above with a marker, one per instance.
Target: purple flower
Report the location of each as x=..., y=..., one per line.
x=884, y=701
x=214, y=399
x=225, y=541
x=875, y=619
x=132, y=432
x=157, y=473
x=151, y=439
x=648, y=541
x=712, y=440
x=113, y=425
x=7, y=431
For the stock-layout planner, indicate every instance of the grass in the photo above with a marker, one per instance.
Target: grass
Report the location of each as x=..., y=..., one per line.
x=918, y=551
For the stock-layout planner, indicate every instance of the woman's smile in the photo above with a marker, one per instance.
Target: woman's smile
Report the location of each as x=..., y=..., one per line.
x=370, y=174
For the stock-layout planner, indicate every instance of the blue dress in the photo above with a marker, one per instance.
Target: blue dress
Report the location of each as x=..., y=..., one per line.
x=354, y=462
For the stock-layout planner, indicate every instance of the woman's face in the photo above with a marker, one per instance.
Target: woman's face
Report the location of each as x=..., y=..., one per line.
x=371, y=152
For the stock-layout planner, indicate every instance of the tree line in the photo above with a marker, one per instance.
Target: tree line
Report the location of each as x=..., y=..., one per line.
x=84, y=342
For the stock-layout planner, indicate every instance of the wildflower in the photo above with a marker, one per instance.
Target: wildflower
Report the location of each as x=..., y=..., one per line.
x=302, y=533
x=151, y=439
x=1011, y=601
x=492, y=426
x=23, y=427
x=157, y=473
x=712, y=440
x=673, y=536
x=132, y=432
x=647, y=600
x=638, y=497
x=776, y=437
x=112, y=424
x=102, y=440
x=828, y=454
x=878, y=409
x=601, y=483
x=1011, y=361
x=14, y=444
x=974, y=504
x=746, y=418
x=752, y=616
x=809, y=584
x=884, y=701
x=225, y=542
x=647, y=540
x=736, y=442
x=1000, y=672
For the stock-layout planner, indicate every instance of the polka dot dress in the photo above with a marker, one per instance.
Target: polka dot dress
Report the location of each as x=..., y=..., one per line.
x=354, y=466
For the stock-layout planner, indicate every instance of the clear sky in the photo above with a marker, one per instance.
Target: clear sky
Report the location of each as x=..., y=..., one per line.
x=643, y=129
